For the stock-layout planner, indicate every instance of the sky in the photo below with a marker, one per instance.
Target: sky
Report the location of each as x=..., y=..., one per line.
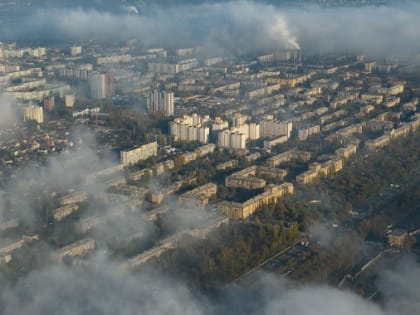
x=237, y=27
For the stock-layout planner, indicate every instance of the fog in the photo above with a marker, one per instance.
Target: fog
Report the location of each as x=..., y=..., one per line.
x=8, y=109
x=233, y=28
x=238, y=27
x=102, y=289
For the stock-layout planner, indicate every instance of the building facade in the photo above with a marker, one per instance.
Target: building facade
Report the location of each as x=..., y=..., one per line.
x=143, y=152
x=161, y=102
x=33, y=112
x=102, y=85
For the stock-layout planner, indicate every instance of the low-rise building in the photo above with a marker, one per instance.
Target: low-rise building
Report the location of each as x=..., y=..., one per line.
x=287, y=156
x=397, y=238
x=248, y=177
x=268, y=144
x=235, y=210
x=378, y=142
x=77, y=249
x=346, y=152
x=199, y=196
x=76, y=197
x=65, y=211
x=317, y=169
x=143, y=152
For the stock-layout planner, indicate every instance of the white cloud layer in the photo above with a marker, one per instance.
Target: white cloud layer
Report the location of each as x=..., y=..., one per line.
x=239, y=26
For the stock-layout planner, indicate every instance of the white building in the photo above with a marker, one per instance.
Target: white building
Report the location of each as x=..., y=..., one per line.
x=231, y=139
x=190, y=128
x=161, y=102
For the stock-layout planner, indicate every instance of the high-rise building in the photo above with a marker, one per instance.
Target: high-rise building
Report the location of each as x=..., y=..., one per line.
x=190, y=128
x=162, y=102
x=236, y=137
x=102, y=85
x=254, y=131
x=219, y=124
x=271, y=128
x=239, y=119
x=231, y=139
x=33, y=112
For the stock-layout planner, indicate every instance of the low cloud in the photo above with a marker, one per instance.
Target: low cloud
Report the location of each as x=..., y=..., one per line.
x=101, y=289
x=9, y=112
x=238, y=27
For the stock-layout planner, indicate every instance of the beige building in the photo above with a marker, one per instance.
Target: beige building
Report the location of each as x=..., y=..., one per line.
x=305, y=132
x=378, y=142
x=268, y=144
x=77, y=249
x=239, y=119
x=247, y=182
x=287, y=156
x=69, y=100
x=267, y=90
x=143, y=152
x=272, y=194
x=248, y=177
x=346, y=152
x=219, y=124
x=199, y=196
x=372, y=98
x=205, y=149
x=34, y=113
x=188, y=157
x=76, y=197
x=397, y=238
x=65, y=211
x=75, y=50
x=317, y=169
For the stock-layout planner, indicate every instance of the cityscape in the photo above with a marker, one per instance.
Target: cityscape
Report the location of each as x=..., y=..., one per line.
x=209, y=157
